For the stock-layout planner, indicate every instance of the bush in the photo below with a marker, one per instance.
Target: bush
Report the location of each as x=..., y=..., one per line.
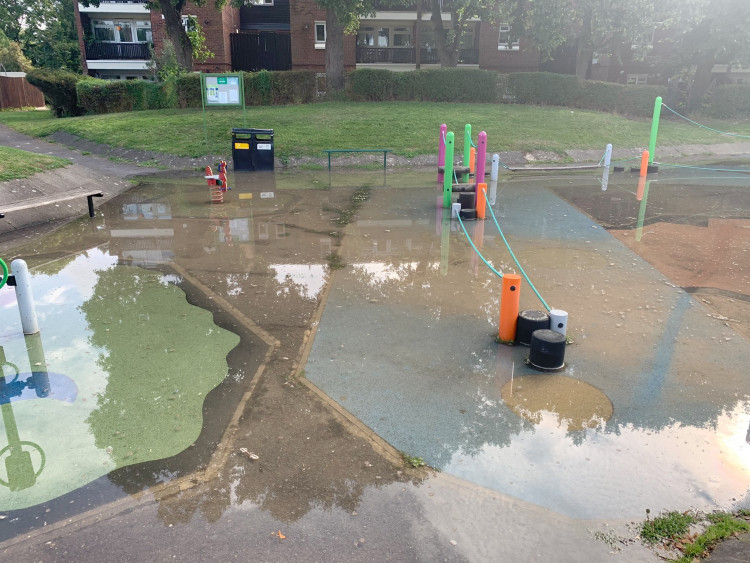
x=279, y=88
x=189, y=90
x=728, y=101
x=110, y=96
x=59, y=89
x=547, y=88
x=433, y=85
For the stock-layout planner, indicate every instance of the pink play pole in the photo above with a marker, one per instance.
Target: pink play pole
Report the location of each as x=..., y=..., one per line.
x=441, y=152
x=481, y=162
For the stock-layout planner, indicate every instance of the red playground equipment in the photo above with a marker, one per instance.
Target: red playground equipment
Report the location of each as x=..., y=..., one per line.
x=217, y=183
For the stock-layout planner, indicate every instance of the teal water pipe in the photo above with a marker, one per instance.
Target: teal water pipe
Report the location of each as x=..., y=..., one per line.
x=5, y=273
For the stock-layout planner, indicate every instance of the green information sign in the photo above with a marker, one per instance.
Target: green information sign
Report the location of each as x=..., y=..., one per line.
x=222, y=89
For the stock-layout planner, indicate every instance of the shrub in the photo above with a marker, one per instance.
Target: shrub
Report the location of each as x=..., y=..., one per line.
x=543, y=88
x=547, y=88
x=433, y=85
x=110, y=96
x=731, y=100
x=279, y=88
x=188, y=88
x=59, y=89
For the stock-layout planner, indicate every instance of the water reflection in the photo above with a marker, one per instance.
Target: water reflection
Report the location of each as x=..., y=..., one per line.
x=129, y=383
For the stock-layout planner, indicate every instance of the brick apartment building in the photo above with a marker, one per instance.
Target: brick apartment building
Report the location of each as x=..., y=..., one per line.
x=115, y=37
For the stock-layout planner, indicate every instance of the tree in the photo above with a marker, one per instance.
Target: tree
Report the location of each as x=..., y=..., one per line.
x=11, y=16
x=591, y=26
x=448, y=41
x=12, y=58
x=49, y=36
x=709, y=32
x=342, y=18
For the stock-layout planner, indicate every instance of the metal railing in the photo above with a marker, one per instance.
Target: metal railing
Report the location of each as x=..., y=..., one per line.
x=127, y=51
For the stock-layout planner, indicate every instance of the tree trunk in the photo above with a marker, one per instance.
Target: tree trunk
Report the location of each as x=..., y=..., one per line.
x=702, y=79
x=334, y=52
x=418, y=37
x=448, y=57
x=176, y=33
x=584, y=52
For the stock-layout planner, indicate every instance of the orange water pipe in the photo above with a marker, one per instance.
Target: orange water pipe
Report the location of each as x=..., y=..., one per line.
x=510, y=297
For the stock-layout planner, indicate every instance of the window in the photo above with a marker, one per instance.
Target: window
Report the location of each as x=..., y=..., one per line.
x=383, y=33
x=143, y=32
x=320, y=35
x=505, y=41
x=366, y=37
x=402, y=37
x=189, y=23
x=104, y=30
x=637, y=78
x=122, y=31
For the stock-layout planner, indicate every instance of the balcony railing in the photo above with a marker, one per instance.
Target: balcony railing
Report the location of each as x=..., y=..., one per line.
x=406, y=55
x=113, y=51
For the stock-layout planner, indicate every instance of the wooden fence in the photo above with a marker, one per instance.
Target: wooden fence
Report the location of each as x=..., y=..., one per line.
x=16, y=92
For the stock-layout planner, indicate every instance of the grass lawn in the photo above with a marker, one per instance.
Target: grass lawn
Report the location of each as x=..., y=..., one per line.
x=409, y=128
x=15, y=163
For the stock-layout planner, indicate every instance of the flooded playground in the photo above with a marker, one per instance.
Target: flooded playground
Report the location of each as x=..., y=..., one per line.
x=325, y=323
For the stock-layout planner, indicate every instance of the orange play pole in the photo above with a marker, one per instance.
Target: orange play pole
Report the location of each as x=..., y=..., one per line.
x=510, y=297
x=481, y=200
x=472, y=159
x=644, y=163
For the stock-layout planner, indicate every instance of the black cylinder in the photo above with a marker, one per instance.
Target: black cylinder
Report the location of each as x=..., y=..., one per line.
x=547, y=350
x=466, y=199
x=528, y=322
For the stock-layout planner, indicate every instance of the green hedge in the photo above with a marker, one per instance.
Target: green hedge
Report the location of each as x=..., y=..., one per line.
x=110, y=96
x=59, y=89
x=728, y=101
x=261, y=88
x=433, y=85
x=546, y=88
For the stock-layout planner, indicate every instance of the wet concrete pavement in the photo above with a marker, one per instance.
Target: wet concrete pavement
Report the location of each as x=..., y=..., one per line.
x=400, y=341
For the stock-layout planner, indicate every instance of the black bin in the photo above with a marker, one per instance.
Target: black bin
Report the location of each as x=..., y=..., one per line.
x=252, y=149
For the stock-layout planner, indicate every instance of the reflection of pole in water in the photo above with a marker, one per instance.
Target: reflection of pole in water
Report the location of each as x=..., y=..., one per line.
x=493, y=192
x=445, y=237
x=477, y=236
x=643, y=191
x=19, y=467
x=605, y=179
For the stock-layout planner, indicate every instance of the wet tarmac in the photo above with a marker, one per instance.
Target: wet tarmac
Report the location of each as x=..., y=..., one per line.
x=351, y=320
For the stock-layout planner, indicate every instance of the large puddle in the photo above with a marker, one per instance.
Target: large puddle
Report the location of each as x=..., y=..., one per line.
x=154, y=318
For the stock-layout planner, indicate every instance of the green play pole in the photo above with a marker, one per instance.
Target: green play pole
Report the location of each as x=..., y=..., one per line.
x=467, y=151
x=448, y=179
x=654, y=129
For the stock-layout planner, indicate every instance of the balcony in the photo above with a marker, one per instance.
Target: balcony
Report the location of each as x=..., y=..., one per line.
x=98, y=51
x=406, y=55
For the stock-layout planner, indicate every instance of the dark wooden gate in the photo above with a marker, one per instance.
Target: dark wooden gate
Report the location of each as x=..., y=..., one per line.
x=262, y=50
